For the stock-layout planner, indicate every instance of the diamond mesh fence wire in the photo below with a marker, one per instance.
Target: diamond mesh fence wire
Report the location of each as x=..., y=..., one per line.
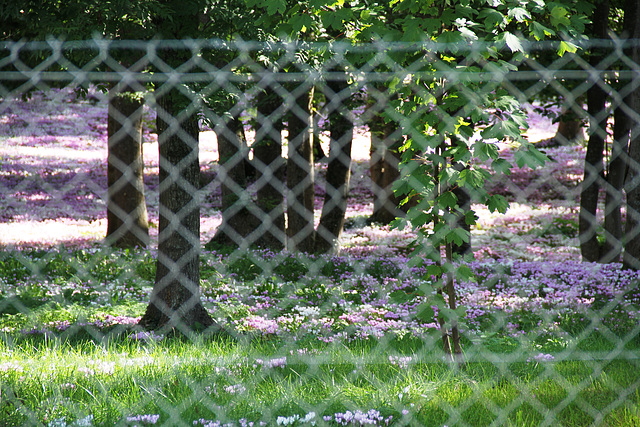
x=198, y=233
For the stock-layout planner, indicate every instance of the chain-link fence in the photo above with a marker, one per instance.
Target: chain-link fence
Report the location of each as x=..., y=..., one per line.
x=198, y=233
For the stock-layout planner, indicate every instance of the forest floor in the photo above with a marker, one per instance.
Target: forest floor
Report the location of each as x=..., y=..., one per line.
x=329, y=340
x=53, y=186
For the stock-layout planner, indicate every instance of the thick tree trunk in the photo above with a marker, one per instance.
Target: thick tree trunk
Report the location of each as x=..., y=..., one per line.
x=384, y=169
x=338, y=171
x=267, y=155
x=127, y=220
x=594, y=162
x=238, y=220
x=300, y=176
x=631, y=257
x=175, y=299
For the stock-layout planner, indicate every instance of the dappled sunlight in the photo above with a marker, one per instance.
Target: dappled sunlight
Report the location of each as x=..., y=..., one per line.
x=53, y=185
x=528, y=232
x=80, y=150
x=540, y=127
x=52, y=232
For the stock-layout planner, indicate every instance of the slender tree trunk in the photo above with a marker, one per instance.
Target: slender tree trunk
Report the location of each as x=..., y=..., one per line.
x=175, y=299
x=448, y=327
x=612, y=249
x=568, y=131
x=454, y=347
x=237, y=220
x=631, y=257
x=338, y=171
x=384, y=168
x=127, y=220
x=300, y=179
x=570, y=127
x=267, y=155
x=594, y=162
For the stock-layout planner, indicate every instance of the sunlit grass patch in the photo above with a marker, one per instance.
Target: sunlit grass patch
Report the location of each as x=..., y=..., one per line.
x=314, y=344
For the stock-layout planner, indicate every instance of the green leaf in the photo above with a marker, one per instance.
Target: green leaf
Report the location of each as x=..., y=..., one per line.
x=470, y=218
x=447, y=200
x=485, y=150
x=434, y=270
x=425, y=313
x=467, y=33
x=301, y=23
x=430, y=25
x=565, y=47
x=531, y=157
x=497, y=203
x=319, y=4
x=450, y=38
x=401, y=297
x=501, y=166
x=473, y=178
x=458, y=236
x=492, y=18
x=559, y=17
x=494, y=131
x=398, y=223
x=519, y=14
x=539, y=31
x=513, y=42
x=412, y=29
x=276, y=6
x=461, y=311
x=464, y=273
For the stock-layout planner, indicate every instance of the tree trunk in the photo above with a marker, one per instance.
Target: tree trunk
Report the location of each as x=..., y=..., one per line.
x=593, y=165
x=175, y=300
x=267, y=155
x=237, y=220
x=612, y=249
x=338, y=171
x=384, y=169
x=127, y=221
x=300, y=179
x=570, y=128
x=631, y=257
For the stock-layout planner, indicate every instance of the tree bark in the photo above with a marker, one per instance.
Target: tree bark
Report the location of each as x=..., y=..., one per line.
x=300, y=175
x=338, y=171
x=612, y=249
x=175, y=300
x=594, y=161
x=238, y=220
x=570, y=127
x=631, y=258
x=568, y=131
x=384, y=169
x=267, y=155
x=127, y=220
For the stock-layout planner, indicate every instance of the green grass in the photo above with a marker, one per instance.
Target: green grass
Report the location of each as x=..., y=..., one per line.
x=227, y=379
x=64, y=361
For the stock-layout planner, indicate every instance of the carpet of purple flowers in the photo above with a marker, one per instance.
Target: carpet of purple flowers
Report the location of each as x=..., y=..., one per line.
x=329, y=299
x=53, y=186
